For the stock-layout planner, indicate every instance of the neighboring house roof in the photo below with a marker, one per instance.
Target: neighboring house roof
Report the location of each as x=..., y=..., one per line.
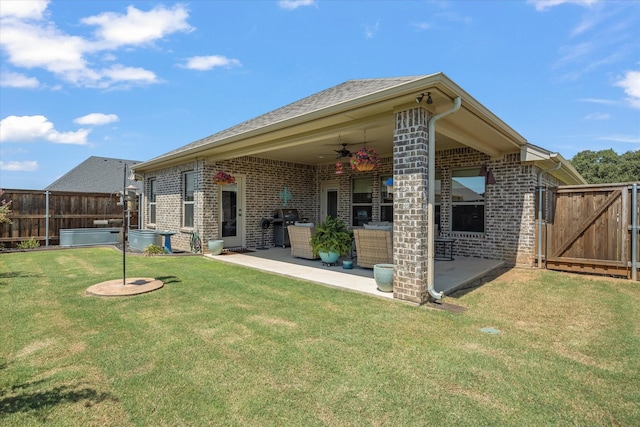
x=354, y=112
x=96, y=175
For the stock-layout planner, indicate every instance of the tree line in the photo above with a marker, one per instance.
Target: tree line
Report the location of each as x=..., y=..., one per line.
x=606, y=166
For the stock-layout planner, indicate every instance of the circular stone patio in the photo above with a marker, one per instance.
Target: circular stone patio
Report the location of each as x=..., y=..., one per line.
x=132, y=286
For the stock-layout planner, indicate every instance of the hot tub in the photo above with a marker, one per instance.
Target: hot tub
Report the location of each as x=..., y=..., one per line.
x=90, y=236
x=140, y=239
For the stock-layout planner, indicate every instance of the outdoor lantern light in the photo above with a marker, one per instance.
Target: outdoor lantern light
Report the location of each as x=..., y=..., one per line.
x=488, y=175
x=490, y=178
x=421, y=97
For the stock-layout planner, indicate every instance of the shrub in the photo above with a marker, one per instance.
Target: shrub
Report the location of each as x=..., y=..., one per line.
x=152, y=250
x=32, y=243
x=5, y=210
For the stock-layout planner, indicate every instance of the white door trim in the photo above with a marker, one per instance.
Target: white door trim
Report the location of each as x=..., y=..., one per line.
x=325, y=187
x=241, y=224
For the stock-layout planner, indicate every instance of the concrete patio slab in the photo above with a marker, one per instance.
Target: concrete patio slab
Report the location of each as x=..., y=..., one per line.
x=450, y=276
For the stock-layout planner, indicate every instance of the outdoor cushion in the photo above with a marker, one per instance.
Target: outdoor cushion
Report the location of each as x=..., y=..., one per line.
x=378, y=227
x=385, y=223
x=304, y=224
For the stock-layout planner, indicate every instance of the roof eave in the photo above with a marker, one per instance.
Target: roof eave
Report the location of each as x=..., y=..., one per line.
x=545, y=160
x=402, y=90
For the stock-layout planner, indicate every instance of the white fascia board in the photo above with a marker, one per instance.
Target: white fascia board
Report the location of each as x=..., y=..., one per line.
x=531, y=153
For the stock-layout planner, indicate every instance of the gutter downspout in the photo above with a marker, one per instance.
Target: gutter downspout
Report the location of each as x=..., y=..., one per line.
x=432, y=196
x=540, y=222
x=143, y=204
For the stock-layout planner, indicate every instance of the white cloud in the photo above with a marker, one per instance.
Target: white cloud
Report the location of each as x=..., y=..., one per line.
x=97, y=119
x=621, y=138
x=630, y=83
x=422, y=26
x=543, y=5
x=129, y=74
x=40, y=44
x=209, y=62
x=26, y=166
x=35, y=46
x=371, y=30
x=32, y=9
x=294, y=4
x=598, y=116
x=598, y=101
x=24, y=128
x=32, y=128
x=449, y=16
x=138, y=27
x=10, y=79
x=78, y=137
x=575, y=53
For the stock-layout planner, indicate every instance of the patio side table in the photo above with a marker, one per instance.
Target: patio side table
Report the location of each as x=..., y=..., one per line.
x=444, y=249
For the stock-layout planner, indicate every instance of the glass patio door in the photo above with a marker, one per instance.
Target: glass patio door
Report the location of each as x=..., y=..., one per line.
x=329, y=200
x=232, y=219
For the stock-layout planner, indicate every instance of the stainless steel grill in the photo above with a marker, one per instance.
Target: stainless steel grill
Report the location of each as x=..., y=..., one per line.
x=283, y=217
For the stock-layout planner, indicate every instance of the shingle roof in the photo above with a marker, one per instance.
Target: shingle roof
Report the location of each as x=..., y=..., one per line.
x=341, y=93
x=95, y=175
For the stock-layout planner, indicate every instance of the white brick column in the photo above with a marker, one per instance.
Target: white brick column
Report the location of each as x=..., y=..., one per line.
x=410, y=196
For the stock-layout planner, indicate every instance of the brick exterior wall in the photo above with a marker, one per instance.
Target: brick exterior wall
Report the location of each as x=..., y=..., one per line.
x=169, y=199
x=509, y=204
x=509, y=207
x=265, y=179
x=410, y=191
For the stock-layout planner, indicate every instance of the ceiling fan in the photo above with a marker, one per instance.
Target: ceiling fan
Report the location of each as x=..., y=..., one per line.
x=343, y=152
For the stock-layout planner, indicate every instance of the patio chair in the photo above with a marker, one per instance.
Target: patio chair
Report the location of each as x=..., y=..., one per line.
x=299, y=237
x=373, y=247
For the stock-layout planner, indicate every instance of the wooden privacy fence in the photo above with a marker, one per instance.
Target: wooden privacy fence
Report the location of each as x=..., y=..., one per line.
x=592, y=229
x=42, y=214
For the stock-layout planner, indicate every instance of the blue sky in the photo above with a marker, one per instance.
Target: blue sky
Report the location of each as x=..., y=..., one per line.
x=135, y=79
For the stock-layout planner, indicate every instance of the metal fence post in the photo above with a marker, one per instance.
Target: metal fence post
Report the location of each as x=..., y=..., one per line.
x=47, y=217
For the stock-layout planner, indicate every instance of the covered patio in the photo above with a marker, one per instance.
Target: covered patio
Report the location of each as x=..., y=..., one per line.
x=471, y=177
x=450, y=276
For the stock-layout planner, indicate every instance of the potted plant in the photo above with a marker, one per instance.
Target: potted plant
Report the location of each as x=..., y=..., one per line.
x=331, y=239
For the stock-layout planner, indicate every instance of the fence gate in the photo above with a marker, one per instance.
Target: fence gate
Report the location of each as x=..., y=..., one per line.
x=589, y=229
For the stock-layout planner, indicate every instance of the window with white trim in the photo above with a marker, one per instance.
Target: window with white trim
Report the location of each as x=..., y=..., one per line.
x=152, y=201
x=467, y=200
x=188, y=201
x=361, y=201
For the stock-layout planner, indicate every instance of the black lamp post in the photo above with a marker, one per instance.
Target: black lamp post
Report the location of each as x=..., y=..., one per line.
x=129, y=202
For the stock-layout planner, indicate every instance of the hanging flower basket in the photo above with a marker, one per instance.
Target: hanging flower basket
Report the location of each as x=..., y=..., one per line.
x=223, y=178
x=365, y=159
x=339, y=168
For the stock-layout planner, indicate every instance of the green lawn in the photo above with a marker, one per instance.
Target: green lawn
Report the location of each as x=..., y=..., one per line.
x=225, y=345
